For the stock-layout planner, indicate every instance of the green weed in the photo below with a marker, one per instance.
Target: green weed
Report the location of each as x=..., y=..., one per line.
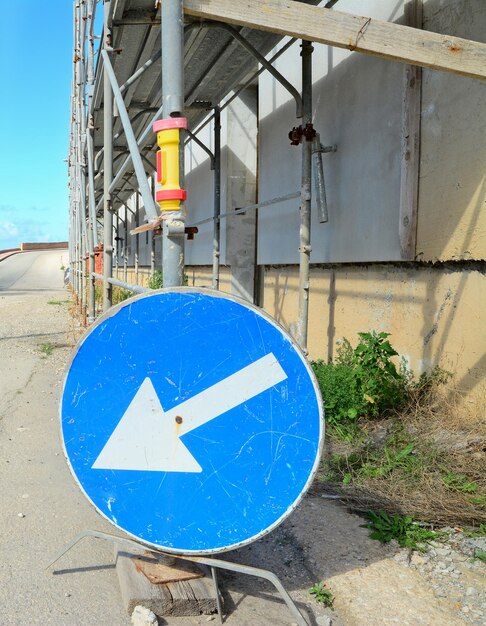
x=156, y=280
x=362, y=382
x=479, y=555
x=403, y=529
x=479, y=501
x=382, y=386
x=480, y=531
x=459, y=482
x=46, y=349
x=322, y=595
x=57, y=301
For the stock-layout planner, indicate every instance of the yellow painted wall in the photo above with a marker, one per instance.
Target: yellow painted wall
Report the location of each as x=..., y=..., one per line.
x=436, y=315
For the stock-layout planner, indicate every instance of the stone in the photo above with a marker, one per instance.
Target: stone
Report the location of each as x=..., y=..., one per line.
x=442, y=551
x=142, y=616
x=323, y=620
x=418, y=559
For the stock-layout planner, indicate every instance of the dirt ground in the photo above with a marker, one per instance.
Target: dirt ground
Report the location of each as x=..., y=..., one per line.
x=42, y=509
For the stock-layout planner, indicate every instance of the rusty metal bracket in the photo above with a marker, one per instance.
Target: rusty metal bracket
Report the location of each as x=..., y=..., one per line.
x=299, y=133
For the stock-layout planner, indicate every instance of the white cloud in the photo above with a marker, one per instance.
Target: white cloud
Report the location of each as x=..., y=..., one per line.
x=16, y=227
x=7, y=229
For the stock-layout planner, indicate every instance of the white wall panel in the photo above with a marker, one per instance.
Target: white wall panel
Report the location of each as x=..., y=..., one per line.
x=357, y=105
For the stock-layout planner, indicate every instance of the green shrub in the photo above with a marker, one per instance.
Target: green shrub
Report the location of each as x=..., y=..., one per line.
x=339, y=389
x=363, y=381
x=156, y=280
x=379, y=382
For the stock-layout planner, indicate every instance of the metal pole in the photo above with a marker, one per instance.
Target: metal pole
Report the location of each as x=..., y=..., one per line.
x=306, y=195
x=149, y=203
x=137, y=240
x=217, y=197
x=107, y=170
x=125, y=247
x=78, y=234
x=92, y=229
x=172, y=35
x=82, y=159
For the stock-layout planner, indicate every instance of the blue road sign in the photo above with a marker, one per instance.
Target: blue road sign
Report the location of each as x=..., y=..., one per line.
x=191, y=420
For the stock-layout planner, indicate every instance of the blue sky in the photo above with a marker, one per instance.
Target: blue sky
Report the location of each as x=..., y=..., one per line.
x=35, y=66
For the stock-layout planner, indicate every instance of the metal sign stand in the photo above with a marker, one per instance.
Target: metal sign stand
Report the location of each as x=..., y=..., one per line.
x=213, y=564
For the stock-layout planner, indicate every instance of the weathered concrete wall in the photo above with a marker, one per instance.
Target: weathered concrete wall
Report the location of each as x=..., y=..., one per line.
x=53, y=245
x=436, y=314
x=452, y=189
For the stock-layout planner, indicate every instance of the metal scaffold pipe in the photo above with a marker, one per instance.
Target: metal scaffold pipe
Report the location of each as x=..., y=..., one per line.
x=131, y=140
x=306, y=196
x=92, y=229
x=107, y=170
x=217, y=198
x=172, y=37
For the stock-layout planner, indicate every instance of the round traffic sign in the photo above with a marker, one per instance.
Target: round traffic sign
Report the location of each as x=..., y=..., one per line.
x=191, y=420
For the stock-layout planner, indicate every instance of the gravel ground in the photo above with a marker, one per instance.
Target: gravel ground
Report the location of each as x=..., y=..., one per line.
x=453, y=572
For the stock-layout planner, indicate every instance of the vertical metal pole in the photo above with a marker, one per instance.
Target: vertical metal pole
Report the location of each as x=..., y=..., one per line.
x=77, y=108
x=92, y=234
x=306, y=195
x=82, y=152
x=137, y=240
x=217, y=197
x=116, y=250
x=152, y=253
x=108, y=171
x=125, y=247
x=172, y=36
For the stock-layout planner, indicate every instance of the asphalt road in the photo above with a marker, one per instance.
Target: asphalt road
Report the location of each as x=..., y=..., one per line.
x=33, y=271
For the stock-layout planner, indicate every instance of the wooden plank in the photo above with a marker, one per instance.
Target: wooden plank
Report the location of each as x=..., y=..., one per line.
x=188, y=597
x=343, y=30
x=410, y=153
x=158, y=572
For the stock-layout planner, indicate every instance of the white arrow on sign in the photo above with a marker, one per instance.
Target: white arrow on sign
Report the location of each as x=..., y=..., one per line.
x=147, y=438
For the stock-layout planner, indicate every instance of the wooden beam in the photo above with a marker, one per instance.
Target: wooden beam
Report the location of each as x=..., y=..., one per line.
x=410, y=152
x=343, y=30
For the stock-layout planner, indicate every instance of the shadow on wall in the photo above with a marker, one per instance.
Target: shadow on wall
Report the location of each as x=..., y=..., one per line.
x=433, y=312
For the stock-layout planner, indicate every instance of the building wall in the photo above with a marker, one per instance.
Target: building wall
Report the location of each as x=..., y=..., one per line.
x=435, y=311
x=357, y=101
x=435, y=314
x=452, y=188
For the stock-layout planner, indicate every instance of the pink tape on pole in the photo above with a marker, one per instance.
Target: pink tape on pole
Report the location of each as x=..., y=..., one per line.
x=169, y=123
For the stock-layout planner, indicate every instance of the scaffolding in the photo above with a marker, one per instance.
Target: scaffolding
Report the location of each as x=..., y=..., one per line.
x=118, y=94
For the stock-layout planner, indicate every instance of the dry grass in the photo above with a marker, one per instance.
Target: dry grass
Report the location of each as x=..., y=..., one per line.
x=441, y=481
